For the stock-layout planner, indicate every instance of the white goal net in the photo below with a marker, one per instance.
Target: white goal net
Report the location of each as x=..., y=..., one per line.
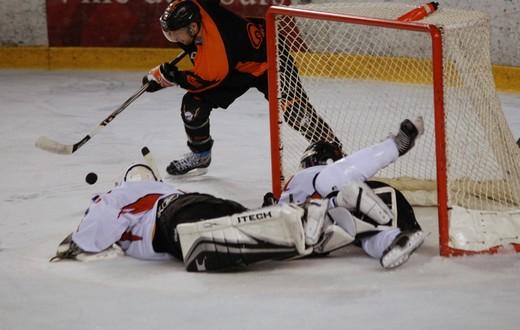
x=364, y=73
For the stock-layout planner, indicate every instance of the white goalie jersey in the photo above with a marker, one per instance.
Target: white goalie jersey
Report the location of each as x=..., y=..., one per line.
x=125, y=215
x=322, y=180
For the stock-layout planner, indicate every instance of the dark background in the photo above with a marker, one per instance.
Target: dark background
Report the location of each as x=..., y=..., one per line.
x=108, y=23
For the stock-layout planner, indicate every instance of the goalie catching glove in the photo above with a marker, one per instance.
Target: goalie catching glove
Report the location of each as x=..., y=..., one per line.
x=160, y=77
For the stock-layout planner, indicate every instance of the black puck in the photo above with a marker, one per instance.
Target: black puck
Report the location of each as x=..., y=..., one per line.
x=91, y=178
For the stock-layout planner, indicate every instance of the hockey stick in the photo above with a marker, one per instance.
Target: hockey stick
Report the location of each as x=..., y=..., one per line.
x=150, y=161
x=50, y=145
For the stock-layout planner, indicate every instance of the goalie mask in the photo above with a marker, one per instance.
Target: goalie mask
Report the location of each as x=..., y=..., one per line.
x=178, y=14
x=139, y=172
x=318, y=153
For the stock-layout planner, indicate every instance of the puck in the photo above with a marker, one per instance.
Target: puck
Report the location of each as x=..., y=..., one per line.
x=91, y=178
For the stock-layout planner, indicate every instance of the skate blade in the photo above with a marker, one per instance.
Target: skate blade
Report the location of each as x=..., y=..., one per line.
x=192, y=173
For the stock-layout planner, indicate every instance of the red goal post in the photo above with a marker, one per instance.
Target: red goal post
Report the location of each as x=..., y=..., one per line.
x=293, y=22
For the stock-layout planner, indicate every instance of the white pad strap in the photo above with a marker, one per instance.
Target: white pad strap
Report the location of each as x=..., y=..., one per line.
x=334, y=237
x=316, y=217
x=359, y=196
x=341, y=231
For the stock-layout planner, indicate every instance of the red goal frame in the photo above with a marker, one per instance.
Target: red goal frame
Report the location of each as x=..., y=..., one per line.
x=434, y=33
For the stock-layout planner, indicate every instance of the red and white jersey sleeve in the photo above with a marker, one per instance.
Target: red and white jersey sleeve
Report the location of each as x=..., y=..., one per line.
x=124, y=215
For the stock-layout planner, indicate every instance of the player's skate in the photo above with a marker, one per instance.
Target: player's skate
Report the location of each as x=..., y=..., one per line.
x=408, y=132
x=402, y=248
x=193, y=163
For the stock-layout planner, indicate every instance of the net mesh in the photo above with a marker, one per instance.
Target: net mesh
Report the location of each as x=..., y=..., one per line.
x=364, y=80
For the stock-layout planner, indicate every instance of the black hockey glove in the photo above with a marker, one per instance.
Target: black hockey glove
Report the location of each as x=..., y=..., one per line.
x=269, y=200
x=160, y=77
x=153, y=86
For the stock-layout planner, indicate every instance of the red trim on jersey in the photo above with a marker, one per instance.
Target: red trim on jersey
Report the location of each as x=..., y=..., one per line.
x=141, y=205
x=128, y=236
x=315, y=195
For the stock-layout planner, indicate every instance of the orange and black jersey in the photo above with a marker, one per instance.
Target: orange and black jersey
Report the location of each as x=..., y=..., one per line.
x=226, y=43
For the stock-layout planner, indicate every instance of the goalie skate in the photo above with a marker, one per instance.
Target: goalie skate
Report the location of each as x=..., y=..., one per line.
x=403, y=246
x=408, y=132
x=191, y=164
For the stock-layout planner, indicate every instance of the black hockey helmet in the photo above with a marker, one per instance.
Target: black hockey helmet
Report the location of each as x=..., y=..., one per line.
x=178, y=14
x=318, y=153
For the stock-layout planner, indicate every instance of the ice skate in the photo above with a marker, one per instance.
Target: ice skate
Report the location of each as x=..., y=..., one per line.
x=402, y=248
x=408, y=132
x=193, y=163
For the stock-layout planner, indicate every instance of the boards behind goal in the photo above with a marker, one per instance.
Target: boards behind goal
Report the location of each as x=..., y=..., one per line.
x=365, y=72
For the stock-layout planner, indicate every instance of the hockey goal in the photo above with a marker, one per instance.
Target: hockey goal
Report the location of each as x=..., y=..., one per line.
x=365, y=72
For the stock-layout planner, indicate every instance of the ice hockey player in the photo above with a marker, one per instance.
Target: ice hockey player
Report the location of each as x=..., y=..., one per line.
x=326, y=173
x=229, y=57
x=149, y=219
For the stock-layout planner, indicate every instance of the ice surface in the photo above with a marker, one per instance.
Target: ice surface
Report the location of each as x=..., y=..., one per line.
x=43, y=195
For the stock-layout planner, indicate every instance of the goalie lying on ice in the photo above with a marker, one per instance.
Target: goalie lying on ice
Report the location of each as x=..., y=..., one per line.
x=152, y=220
x=149, y=219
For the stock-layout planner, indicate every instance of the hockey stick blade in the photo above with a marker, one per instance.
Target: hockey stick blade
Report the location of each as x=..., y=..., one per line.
x=49, y=145
x=150, y=161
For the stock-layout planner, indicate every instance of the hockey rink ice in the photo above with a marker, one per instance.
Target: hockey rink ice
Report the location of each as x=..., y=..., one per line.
x=43, y=197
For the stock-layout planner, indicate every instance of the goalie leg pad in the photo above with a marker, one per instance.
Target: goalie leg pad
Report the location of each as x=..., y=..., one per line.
x=357, y=196
x=269, y=233
x=342, y=231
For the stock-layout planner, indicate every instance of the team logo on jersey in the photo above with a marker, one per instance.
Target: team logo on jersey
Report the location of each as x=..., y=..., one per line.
x=256, y=35
x=163, y=203
x=141, y=205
